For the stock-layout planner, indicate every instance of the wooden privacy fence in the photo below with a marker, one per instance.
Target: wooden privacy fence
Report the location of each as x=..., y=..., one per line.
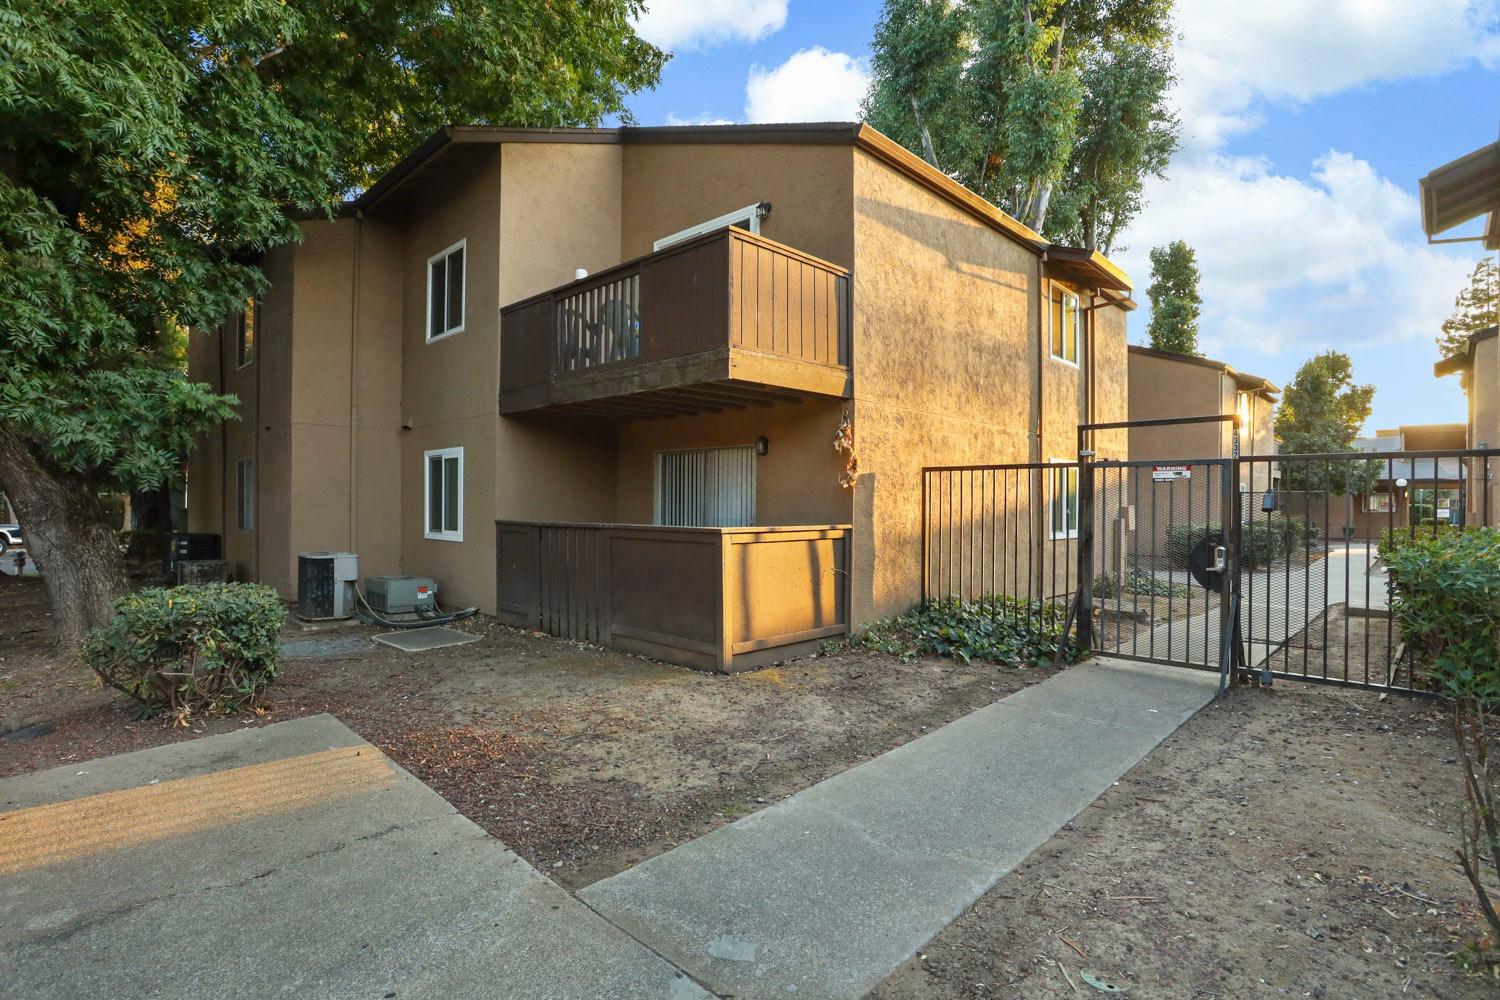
x=723, y=599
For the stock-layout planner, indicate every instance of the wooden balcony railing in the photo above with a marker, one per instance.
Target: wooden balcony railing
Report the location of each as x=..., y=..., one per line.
x=728, y=307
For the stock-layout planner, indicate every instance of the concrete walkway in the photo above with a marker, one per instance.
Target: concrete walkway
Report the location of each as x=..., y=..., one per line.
x=825, y=893
x=297, y=861
x=1278, y=603
x=289, y=861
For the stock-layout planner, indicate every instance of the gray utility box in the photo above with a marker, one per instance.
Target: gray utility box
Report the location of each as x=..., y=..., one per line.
x=198, y=571
x=400, y=595
x=325, y=585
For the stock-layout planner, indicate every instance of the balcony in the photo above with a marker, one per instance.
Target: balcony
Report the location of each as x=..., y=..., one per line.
x=724, y=320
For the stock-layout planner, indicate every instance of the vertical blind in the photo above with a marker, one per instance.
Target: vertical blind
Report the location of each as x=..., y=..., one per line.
x=706, y=487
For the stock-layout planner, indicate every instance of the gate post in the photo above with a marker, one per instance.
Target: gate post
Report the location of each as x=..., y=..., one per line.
x=1229, y=592
x=1085, y=601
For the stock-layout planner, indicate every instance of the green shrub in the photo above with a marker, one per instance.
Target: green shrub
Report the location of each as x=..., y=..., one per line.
x=996, y=629
x=187, y=649
x=1393, y=540
x=1263, y=540
x=1446, y=597
x=1137, y=582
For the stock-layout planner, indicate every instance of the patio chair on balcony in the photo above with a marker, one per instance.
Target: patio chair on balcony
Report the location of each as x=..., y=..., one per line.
x=620, y=324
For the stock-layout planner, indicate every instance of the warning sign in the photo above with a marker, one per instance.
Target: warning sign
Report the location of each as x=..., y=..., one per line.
x=1167, y=473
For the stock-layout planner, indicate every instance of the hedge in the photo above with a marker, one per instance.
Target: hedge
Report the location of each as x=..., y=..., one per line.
x=184, y=649
x=1446, y=597
x=1263, y=540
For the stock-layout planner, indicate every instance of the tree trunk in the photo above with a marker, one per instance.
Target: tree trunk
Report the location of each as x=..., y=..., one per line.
x=1038, y=214
x=927, y=150
x=69, y=535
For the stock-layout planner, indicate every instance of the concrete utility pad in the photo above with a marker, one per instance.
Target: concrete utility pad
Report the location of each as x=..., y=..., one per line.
x=289, y=861
x=824, y=894
x=419, y=640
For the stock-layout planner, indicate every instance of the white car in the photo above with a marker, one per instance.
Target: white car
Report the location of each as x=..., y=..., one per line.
x=10, y=537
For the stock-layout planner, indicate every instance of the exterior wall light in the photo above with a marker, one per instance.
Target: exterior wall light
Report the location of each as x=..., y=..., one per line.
x=762, y=445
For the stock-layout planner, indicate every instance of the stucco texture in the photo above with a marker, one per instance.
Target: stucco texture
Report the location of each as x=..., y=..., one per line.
x=944, y=351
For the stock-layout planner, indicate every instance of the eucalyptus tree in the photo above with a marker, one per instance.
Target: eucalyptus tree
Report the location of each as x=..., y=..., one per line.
x=1053, y=109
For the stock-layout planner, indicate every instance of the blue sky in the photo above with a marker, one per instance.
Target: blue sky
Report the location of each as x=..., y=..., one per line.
x=1306, y=126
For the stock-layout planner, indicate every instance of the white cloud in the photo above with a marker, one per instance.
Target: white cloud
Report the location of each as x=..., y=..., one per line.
x=673, y=118
x=1331, y=262
x=1296, y=264
x=691, y=24
x=814, y=85
x=1234, y=60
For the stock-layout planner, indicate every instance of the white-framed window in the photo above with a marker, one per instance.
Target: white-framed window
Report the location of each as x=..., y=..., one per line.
x=445, y=292
x=1062, y=506
x=443, y=507
x=245, y=333
x=1065, y=325
x=746, y=218
x=244, y=494
x=1379, y=503
x=706, y=487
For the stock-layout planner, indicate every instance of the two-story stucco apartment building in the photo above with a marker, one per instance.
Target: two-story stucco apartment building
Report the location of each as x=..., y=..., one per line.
x=592, y=380
x=1164, y=385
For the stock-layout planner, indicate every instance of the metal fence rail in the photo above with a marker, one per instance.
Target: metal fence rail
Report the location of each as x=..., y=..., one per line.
x=1006, y=535
x=1266, y=565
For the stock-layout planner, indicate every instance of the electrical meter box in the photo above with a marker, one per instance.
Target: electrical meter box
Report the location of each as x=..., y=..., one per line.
x=400, y=595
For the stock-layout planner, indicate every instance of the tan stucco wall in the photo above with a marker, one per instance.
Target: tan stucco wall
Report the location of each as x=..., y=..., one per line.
x=669, y=188
x=1161, y=388
x=450, y=387
x=565, y=215
x=796, y=481
x=946, y=345
x=259, y=431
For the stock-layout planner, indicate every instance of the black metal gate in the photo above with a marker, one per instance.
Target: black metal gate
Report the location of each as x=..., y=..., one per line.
x=1259, y=567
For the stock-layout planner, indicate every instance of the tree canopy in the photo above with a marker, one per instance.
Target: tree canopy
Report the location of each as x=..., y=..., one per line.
x=1321, y=412
x=1053, y=109
x=152, y=150
x=1476, y=308
x=1175, y=302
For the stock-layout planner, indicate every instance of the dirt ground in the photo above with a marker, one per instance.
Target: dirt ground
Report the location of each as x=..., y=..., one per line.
x=1285, y=843
x=1291, y=842
x=582, y=760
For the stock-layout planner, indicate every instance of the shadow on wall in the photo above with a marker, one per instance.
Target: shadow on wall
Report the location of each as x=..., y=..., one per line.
x=943, y=236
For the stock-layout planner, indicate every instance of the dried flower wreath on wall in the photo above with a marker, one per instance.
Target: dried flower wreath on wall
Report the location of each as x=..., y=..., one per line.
x=843, y=440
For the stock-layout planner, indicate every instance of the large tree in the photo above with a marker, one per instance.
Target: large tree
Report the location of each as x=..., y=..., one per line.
x=1476, y=308
x=152, y=150
x=1053, y=109
x=1321, y=412
x=1175, y=302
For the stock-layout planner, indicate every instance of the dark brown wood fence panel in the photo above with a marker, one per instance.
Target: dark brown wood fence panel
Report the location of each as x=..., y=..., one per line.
x=712, y=598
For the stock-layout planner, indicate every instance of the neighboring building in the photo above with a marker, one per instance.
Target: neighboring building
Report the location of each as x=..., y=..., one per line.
x=1420, y=490
x=1479, y=367
x=1165, y=385
x=657, y=438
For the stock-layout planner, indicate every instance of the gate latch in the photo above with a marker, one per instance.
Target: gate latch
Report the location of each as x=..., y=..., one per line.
x=1220, y=561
